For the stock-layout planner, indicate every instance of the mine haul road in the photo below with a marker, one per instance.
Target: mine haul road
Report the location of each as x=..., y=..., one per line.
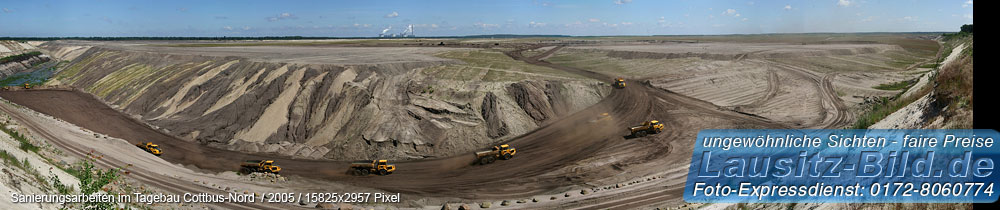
x=542, y=153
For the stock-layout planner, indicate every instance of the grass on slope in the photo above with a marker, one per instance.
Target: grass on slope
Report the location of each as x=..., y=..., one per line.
x=19, y=57
x=954, y=84
x=896, y=85
x=599, y=61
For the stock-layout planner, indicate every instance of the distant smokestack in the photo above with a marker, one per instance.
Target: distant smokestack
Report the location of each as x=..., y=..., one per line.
x=409, y=31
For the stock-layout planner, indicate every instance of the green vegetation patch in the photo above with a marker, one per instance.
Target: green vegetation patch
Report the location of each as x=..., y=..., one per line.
x=20, y=57
x=588, y=59
x=599, y=61
x=25, y=143
x=25, y=166
x=901, y=85
x=130, y=76
x=73, y=70
x=492, y=65
x=884, y=108
x=92, y=180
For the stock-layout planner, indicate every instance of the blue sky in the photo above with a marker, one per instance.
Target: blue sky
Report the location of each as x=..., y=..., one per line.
x=472, y=17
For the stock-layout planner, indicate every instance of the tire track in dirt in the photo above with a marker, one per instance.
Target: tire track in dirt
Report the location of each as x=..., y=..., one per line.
x=656, y=102
x=836, y=115
x=773, y=85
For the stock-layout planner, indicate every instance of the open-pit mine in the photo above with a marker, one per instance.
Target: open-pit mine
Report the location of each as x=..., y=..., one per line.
x=454, y=122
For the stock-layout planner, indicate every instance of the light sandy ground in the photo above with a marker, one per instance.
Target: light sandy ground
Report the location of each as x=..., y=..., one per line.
x=740, y=48
x=303, y=54
x=912, y=116
x=807, y=85
x=12, y=175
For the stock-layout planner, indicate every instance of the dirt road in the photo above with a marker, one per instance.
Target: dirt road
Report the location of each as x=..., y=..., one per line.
x=540, y=166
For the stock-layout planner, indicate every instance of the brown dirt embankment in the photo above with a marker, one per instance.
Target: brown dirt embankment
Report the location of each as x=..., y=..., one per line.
x=314, y=110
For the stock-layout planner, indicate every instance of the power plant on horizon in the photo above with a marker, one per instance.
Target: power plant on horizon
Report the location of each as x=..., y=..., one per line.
x=406, y=33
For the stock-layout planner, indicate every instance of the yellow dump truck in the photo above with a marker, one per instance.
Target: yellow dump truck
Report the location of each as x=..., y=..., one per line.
x=503, y=152
x=27, y=86
x=150, y=147
x=620, y=83
x=652, y=126
x=378, y=167
x=263, y=166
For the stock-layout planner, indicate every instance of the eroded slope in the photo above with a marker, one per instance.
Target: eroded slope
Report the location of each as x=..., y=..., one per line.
x=333, y=110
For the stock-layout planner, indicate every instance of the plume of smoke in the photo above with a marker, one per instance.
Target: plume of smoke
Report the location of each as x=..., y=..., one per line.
x=386, y=30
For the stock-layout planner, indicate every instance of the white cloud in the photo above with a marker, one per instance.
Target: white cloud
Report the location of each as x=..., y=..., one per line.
x=969, y=16
x=282, y=16
x=744, y=19
x=486, y=26
x=594, y=20
x=662, y=22
x=392, y=15
x=228, y=28
x=627, y=23
x=750, y=3
x=182, y=9
x=967, y=4
x=424, y=25
x=869, y=19
x=730, y=12
x=843, y=3
x=620, y=2
x=245, y=28
x=533, y=24
x=788, y=7
x=577, y=23
x=910, y=18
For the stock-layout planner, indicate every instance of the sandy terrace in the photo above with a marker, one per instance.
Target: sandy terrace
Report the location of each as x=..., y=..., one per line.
x=740, y=48
x=316, y=55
